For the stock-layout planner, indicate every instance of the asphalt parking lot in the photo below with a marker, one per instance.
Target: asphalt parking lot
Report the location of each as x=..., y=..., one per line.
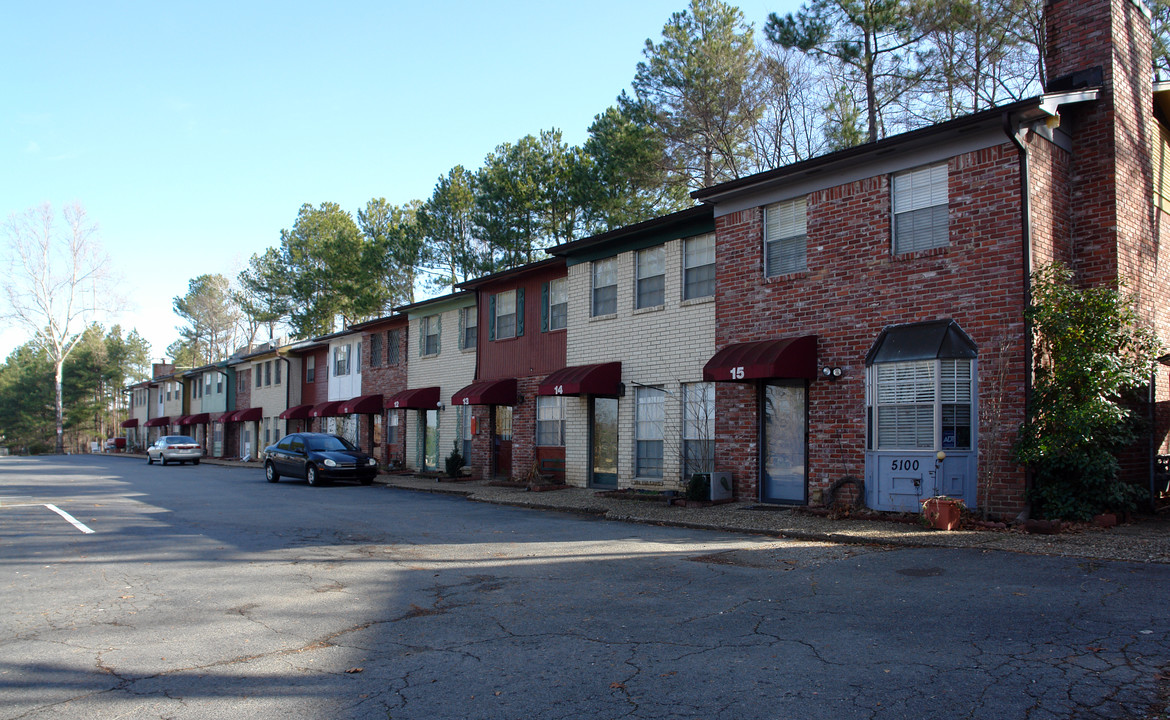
x=206, y=592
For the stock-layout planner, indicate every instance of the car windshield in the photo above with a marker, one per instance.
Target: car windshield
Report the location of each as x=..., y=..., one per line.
x=180, y=440
x=328, y=444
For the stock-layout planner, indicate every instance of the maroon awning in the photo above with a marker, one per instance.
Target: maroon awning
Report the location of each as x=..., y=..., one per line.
x=197, y=419
x=326, y=409
x=765, y=359
x=159, y=421
x=226, y=417
x=417, y=399
x=362, y=405
x=601, y=379
x=131, y=423
x=487, y=392
x=248, y=414
x=299, y=412
x=181, y=420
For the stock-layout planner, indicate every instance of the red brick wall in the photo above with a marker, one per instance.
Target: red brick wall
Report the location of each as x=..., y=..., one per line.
x=1113, y=229
x=853, y=288
x=386, y=380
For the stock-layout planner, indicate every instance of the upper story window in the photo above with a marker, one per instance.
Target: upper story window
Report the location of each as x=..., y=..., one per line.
x=219, y=383
x=604, y=287
x=786, y=237
x=375, y=349
x=469, y=327
x=276, y=371
x=699, y=266
x=268, y=373
x=429, y=335
x=311, y=369
x=207, y=384
x=393, y=338
x=505, y=314
x=357, y=359
x=651, y=290
x=556, y=308
x=194, y=389
x=168, y=391
x=921, y=217
x=259, y=370
x=341, y=360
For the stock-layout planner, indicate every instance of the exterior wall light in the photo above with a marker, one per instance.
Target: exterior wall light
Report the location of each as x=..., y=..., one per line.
x=831, y=373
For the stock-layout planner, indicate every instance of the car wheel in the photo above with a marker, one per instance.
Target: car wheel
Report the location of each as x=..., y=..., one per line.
x=311, y=476
x=270, y=473
x=194, y=462
x=367, y=481
x=149, y=459
x=163, y=460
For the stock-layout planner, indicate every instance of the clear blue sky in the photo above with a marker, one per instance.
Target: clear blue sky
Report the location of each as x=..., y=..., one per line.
x=193, y=132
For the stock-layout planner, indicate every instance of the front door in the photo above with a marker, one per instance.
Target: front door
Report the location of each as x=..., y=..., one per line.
x=783, y=446
x=502, y=441
x=430, y=445
x=603, y=442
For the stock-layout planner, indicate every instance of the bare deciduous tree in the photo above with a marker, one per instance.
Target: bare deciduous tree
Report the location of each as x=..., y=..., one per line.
x=56, y=282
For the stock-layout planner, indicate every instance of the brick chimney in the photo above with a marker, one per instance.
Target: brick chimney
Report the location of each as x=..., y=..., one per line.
x=1107, y=44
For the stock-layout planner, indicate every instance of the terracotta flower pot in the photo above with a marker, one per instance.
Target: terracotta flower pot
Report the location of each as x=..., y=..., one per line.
x=942, y=513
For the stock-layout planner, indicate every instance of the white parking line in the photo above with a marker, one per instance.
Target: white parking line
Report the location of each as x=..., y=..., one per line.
x=76, y=523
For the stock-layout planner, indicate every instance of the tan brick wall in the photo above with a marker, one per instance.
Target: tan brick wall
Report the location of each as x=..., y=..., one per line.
x=662, y=347
x=451, y=370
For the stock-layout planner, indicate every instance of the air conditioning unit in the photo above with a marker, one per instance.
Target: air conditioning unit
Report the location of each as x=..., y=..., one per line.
x=721, y=487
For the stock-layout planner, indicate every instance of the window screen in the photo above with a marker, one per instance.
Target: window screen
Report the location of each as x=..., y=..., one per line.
x=648, y=432
x=786, y=237
x=604, y=287
x=558, y=304
x=921, y=218
x=699, y=267
x=651, y=290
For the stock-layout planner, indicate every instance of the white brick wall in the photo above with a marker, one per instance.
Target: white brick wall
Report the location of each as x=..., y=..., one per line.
x=452, y=370
x=663, y=347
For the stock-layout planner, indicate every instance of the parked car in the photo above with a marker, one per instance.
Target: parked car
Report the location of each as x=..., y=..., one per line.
x=319, y=458
x=174, y=448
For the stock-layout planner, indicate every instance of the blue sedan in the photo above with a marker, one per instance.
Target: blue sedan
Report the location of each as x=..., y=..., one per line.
x=319, y=458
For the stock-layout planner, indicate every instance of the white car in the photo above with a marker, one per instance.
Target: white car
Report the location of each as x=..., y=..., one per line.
x=174, y=448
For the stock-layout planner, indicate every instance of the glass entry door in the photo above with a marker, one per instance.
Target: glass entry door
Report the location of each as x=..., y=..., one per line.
x=603, y=442
x=502, y=441
x=784, y=414
x=430, y=454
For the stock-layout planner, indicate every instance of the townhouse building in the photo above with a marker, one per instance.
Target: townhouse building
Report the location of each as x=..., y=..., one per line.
x=209, y=390
x=640, y=316
x=384, y=343
x=307, y=365
x=237, y=433
x=853, y=323
x=869, y=315
x=440, y=363
x=261, y=395
x=520, y=329
x=142, y=401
